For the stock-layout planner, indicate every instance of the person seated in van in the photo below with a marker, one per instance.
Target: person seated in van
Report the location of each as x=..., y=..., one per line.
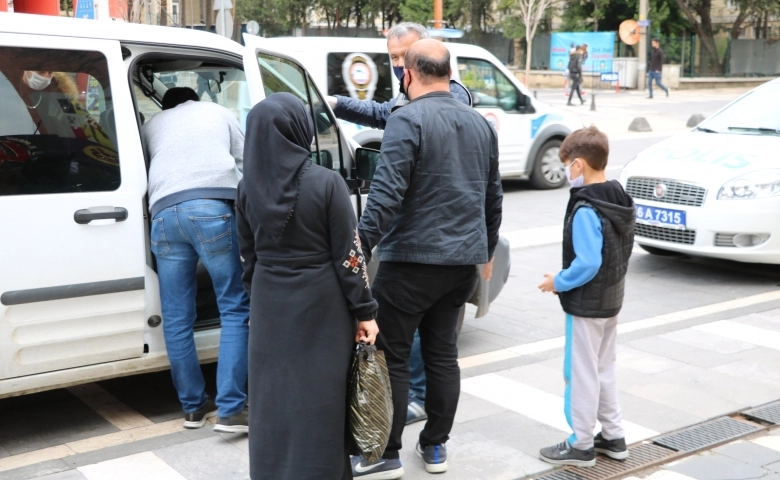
x=196, y=151
x=374, y=114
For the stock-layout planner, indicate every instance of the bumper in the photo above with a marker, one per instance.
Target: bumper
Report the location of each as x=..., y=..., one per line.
x=716, y=222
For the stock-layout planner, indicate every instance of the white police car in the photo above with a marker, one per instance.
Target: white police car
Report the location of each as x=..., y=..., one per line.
x=714, y=191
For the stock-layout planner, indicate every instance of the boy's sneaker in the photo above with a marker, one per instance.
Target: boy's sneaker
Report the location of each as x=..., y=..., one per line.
x=198, y=418
x=238, y=423
x=434, y=456
x=382, y=469
x=565, y=454
x=415, y=411
x=615, y=449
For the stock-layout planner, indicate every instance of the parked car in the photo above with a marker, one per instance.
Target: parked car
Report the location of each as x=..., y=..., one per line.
x=79, y=295
x=529, y=131
x=714, y=191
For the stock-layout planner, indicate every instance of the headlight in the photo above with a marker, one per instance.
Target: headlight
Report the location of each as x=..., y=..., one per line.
x=761, y=184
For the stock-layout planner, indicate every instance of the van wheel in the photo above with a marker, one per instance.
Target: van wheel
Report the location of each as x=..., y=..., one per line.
x=548, y=170
x=461, y=317
x=660, y=251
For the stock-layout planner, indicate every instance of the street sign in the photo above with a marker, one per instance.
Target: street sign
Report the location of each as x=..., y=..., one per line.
x=643, y=23
x=85, y=9
x=610, y=77
x=224, y=23
x=252, y=27
x=220, y=4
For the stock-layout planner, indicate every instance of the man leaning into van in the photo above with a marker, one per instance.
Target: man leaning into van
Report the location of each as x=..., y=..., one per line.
x=196, y=151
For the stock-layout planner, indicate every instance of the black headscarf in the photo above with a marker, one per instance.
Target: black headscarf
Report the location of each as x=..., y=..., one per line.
x=277, y=152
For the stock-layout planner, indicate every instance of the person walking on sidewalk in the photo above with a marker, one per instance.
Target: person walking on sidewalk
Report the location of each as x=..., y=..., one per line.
x=375, y=115
x=435, y=206
x=196, y=150
x=575, y=75
x=656, y=66
x=597, y=242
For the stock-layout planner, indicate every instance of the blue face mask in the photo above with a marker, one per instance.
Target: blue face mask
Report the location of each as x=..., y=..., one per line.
x=399, y=73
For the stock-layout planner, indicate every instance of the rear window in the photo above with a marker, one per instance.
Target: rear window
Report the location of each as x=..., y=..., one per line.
x=364, y=76
x=57, y=131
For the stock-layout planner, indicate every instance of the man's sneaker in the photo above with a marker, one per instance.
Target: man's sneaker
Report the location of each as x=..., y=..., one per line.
x=238, y=423
x=615, y=449
x=415, y=411
x=565, y=454
x=382, y=469
x=198, y=418
x=434, y=456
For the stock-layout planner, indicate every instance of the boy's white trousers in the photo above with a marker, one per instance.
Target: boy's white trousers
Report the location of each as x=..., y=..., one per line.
x=591, y=382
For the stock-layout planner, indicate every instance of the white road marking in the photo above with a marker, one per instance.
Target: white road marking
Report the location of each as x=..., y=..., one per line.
x=651, y=322
x=742, y=333
x=535, y=404
x=145, y=465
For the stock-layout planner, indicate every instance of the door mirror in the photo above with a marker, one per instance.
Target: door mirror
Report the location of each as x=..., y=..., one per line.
x=366, y=160
x=525, y=104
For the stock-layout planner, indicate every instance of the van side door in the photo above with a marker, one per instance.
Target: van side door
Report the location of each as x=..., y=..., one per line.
x=71, y=191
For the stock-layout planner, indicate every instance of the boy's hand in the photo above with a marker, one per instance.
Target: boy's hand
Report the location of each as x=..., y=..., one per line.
x=548, y=285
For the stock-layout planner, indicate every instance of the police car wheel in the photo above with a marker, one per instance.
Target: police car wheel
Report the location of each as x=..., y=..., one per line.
x=548, y=170
x=660, y=251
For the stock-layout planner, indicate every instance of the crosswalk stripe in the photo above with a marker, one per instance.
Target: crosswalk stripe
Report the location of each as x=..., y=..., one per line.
x=744, y=333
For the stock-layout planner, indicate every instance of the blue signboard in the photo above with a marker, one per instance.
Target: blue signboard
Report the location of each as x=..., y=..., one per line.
x=601, y=50
x=85, y=9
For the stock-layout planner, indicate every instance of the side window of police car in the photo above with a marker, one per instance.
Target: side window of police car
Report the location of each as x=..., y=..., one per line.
x=490, y=88
x=281, y=75
x=57, y=131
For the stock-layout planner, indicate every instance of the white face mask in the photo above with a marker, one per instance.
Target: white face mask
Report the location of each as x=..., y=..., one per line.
x=574, y=182
x=36, y=81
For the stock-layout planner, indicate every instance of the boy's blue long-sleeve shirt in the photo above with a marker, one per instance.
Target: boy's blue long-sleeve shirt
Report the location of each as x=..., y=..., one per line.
x=588, y=243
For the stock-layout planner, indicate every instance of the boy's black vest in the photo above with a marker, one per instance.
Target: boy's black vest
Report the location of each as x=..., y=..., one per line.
x=602, y=297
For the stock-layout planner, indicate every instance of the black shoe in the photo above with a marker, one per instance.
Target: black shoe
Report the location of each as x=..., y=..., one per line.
x=667, y=93
x=415, y=411
x=615, y=449
x=382, y=469
x=582, y=102
x=649, y=98
x=565, y=454
x=238, y=423
x=569, y=104
x=198, y=418
x=434, y=456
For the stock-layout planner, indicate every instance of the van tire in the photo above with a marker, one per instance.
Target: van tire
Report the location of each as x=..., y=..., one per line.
x=545, y=176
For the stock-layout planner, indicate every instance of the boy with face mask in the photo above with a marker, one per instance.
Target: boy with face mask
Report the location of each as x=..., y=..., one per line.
x=597, y=242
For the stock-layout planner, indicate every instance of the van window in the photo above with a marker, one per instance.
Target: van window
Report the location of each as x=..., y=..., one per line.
x=327, y=133
x=489, y=87
x=57, y=130
x=364, y=76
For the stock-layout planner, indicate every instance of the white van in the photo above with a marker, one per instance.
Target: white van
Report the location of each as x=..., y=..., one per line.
x=79, y=297
x=529, y=131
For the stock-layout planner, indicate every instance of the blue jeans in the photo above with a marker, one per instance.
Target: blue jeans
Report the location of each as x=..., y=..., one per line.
x=657, y=77
x=182, y=234
x=416, y=370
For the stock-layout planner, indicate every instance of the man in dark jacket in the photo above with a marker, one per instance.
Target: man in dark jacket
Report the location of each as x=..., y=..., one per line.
x=575, y=74
x=656, y=65
x=435, y=210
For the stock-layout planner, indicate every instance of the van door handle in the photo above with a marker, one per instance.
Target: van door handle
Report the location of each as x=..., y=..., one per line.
x=83, y=217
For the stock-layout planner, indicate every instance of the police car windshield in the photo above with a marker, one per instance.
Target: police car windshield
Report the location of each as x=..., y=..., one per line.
x=757, y=113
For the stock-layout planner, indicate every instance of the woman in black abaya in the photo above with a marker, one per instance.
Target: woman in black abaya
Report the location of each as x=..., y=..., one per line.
x=310, y=300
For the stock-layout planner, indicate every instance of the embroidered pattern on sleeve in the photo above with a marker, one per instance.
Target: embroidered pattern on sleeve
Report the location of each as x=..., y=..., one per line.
x=356, y=262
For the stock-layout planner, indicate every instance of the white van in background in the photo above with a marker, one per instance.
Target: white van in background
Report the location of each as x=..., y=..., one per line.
x=529, y=131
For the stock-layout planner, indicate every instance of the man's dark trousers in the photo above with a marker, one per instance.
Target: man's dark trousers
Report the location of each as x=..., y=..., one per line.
x=429, y=298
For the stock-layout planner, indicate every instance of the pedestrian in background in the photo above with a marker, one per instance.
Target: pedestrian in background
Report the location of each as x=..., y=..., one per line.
x=656, y=67
x=597, y=242
x=575, y=75
x=435, y=206
x=196, y=150
x=311, y=303
x=375, y=115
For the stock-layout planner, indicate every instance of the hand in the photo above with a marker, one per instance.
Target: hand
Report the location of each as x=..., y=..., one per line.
x=487, y=271
x=332, y=101
x=367, y=332
x=548, y=285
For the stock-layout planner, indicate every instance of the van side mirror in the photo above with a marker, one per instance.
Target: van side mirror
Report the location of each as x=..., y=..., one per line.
x=366, y=160
x=525, y=104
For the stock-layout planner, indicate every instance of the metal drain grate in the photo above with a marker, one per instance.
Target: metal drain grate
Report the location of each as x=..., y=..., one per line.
x=706, y=434
x=562, y=474
x=768, y=413
x=641, y=457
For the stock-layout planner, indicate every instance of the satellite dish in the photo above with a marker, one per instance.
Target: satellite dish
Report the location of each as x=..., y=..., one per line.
x=629, y=32
x=252, y=28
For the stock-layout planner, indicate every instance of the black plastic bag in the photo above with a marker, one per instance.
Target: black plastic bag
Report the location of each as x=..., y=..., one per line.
x=370, y=401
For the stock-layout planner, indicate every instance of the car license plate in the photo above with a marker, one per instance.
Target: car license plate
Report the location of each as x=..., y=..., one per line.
x=660, y=217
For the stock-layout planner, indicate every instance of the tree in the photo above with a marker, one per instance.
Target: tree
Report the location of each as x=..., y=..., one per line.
x=531, y=14
x=418, y=11
x=699, y=14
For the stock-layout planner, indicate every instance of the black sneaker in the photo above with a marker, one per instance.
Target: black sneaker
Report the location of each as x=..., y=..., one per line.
x=615, y=449
x=434, y=456
x=667, y=93
x=382, y=469
x=238, y=423
x=415, y=411
x=198, y=418
x=565, y=454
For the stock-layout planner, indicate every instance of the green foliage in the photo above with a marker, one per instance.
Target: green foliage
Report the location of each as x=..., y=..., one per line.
x=665, y=15
x=272, y=15
x=419, y=11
